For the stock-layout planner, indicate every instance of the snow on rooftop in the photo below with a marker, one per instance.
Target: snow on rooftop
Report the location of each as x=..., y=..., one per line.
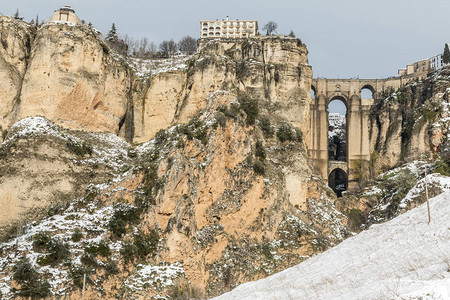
x=405, y=258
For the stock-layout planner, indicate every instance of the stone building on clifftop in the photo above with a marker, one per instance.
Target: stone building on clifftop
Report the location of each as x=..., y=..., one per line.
x=65, y=14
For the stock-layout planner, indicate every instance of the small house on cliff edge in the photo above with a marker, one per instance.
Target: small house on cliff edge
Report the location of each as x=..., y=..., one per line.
x=65, y=14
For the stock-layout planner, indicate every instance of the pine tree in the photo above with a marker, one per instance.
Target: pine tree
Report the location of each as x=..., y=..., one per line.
x=292, y=34
x=446, y=56
x=37, y=20
x=16, y=15
x=112, y=34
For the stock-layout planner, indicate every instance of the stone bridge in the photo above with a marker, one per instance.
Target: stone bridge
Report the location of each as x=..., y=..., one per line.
x=358, y=113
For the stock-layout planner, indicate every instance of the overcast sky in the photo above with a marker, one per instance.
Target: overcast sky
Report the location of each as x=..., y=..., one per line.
x=347, y=38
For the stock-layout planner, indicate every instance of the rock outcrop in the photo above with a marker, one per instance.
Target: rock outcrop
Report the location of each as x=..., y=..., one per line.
x=272, y=69
x=64, y=73
x=411, y=122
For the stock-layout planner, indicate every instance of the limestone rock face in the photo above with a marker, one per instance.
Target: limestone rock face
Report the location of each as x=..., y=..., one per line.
x=14, y=51
x=273, y=70
x=411, y=122
x=73, y=81
x=63, y=72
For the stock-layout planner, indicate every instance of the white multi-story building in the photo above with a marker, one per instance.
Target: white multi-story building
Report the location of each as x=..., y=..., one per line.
x=336, y=119
x=228, y=29
x=436, y=62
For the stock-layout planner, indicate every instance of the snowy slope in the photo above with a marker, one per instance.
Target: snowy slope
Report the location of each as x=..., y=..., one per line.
x=405, y=258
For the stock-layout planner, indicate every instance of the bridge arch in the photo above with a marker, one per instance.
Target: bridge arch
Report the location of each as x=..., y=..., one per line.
x=339, y=97
x=313, y=92
x=338, y=181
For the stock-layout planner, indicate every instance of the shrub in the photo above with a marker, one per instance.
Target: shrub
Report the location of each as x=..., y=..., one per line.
x=77, y=273
x=266, y=127
x=4, y=134
x=140, y=247
x=431, y=108
x=395, y=189
x=102, y=249
x=284, y=133
x=259, y=150
x=234, y=110
x=250, y=107
x=128, y=251
x=161, y=137
x=41, y=240
x=58, y=251
x=122, y=217
x=31, y=286
x=258, y=167
x=23, y=271
x=79, y=149
x=89, y=260
x=77, y=235
x=298, y=135
x=146, y=243
x=221, y=119
x=111, y=268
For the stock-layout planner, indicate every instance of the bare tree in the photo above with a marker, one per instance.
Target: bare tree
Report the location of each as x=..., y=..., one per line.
x=270, y=27
x=168, y=47
x=187, y=45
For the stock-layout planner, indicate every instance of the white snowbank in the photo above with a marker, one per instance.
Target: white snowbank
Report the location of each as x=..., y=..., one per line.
x=405, y=258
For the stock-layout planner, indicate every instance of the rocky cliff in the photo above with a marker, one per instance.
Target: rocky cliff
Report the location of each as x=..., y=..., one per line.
x=222, y=193
x=64, y=73
x=411, y=122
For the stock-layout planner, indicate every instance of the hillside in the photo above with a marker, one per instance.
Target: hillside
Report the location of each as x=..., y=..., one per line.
x=405, y=258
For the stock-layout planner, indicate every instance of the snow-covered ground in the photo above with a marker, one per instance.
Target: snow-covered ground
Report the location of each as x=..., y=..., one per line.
x=150, y=67
x=405, y=258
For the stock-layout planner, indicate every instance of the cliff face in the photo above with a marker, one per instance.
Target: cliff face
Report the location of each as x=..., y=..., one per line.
x=64, y=73
x=259, y=67
x=15, y=39
x=412, y=121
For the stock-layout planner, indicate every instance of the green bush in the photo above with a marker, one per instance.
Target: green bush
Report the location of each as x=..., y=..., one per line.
x=161, y=137
x=431, y=108
x=77, y=273
x=128, y=251
x=250, y=107
x=58, y=251
x=31, y=286
x=298, y=135
x=234, y=110
x=123, y=215
x=140, y=247
x=258, y=167
x=284, y=133
x=395, y=189
x=41, y=240
x=266, y=127
x=221, y=119
x=101, y=248
x=79, y=149
x=146, y=243
x=77, y=235
x=259, y=150
x=89, y=260
x=111, y=268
